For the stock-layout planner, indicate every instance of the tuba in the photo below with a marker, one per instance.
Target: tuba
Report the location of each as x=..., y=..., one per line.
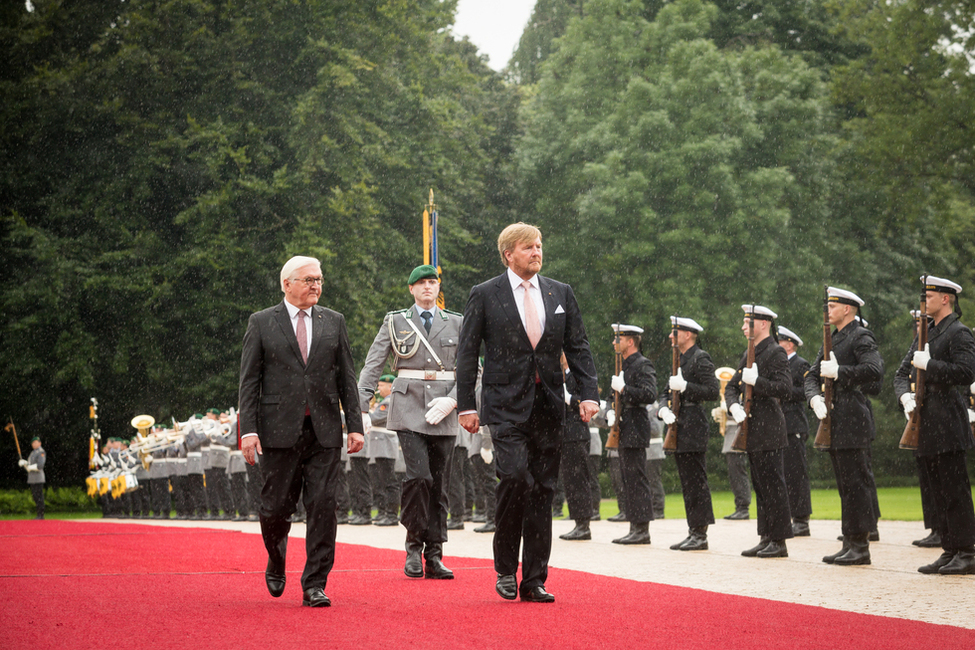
x=724, y=375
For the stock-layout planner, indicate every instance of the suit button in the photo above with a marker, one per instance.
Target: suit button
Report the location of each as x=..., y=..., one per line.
x=429, y=360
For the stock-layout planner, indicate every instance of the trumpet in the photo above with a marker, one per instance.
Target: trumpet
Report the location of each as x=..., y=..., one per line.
x=724, y=375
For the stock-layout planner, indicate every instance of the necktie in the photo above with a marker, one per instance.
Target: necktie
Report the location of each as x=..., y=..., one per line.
x=427, y=319
x=302, y=334
x=532, y=325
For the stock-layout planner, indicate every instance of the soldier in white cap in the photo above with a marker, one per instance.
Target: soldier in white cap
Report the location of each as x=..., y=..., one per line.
x=794, y=409
x=945, y=436
x=854, y=365
x=696, y=382
x=771, y=382
x=637, y=387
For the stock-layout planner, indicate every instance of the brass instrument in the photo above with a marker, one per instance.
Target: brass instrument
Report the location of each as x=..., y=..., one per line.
x=724, y=375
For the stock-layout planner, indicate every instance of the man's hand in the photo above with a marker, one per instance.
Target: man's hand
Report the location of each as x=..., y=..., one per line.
x=356, y=442
x=22, y=462
x=251, y=446
x=922, y=357
x=737, y=412
x=587, y=410
x=470, y=421
x=907, y=401
x=665, y=414
x=818, y=404
x=677, y=382
x=617, y=383
x=366, y=423
x=440, y=407
x=829, y=368
x=749, y=375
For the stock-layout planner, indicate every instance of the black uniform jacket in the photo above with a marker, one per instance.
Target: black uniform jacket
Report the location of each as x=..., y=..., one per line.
x=575, y=429
x=944, y=422
x=766, y=423
x=861, y=370
x=794, y=406
x=640, y=390
x=702, y=386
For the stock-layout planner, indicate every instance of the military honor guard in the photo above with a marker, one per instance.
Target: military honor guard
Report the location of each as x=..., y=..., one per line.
x=637, y=387
x=696, y=383
x=770, y=382
x=855, y=366
x=383, y=451
x=35, y=474
x=944, y=427
x=422, y=341
x=575, y=469
x=195, y=468
x=797, y=426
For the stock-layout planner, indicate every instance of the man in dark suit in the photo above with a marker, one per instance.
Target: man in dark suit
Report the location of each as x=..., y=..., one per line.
x=524, y=321
x=794, y=409
x=295, y=369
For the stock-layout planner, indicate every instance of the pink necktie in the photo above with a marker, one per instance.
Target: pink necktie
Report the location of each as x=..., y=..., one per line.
x=302, y=334
x=532, y=325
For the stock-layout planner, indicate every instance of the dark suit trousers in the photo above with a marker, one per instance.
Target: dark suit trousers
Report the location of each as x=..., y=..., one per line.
x=854, y=482
x=693, y=471
x=953, y=496
x=527, y=457
x=797, y=477
x=576, y=479
x=768, y=479
x=311, y=470
x=636, y=484
x=424, y=500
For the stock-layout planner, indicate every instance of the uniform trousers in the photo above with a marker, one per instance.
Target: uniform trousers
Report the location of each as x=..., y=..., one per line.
x=594, y=488
x=424, y=496
x=738, y=479
x=576, y=478
x=616, y=478
x=360, y=487
x=310, y=470
x=771, y=494
x=255, y=479
x=527, y=456
x=797, y=477
x=180, y=495
x=636, y=484
x=37, y=491
x=693, y=471
x=486, y=482
x=218, y=488
x=929, y=503
x=655, y=474
x=854, y=482
x=456, y=489
x=197, y=494
x=159, y=487
x=386, y=487
x=953, y=498
x=238, y=485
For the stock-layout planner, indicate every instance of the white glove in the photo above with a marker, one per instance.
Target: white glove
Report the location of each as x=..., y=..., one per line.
x=972, y=388
x=907, y=401
x=737, y=412
x=829, y=368
x=971, y=416
x=665, y=414
x=921, y=357
x=22, y=462
x=32, y=468
x=440, y=407
x=487, y=456
x=749, y=375
x=818, y=405
x=366, y=423
x=610, y=417
x=716, y=413
x=618, y=384
x=568, y=396
x=677, y=382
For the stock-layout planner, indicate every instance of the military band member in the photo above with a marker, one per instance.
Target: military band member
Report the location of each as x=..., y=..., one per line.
x=637, y=387
x=855, y=365
x=383, y=451
x=771, y=382
x=423, y=343
x=223, y=438
x=794, y=409
x=195, y=468
x=945, y=434
x=696, y=383
x=485, y=480
x=35, y=474
x=575, y=464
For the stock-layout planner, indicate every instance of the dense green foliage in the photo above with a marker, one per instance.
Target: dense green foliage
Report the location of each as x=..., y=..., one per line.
x=161, y=159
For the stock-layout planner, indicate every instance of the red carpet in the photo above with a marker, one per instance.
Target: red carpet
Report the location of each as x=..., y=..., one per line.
x=71, y=585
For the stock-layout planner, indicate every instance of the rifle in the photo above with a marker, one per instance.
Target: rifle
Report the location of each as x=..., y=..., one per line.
x=670, y=440
x=913, y=429
x=10, y=427
x=824, y=434
x=741, y=439
x=613, y=439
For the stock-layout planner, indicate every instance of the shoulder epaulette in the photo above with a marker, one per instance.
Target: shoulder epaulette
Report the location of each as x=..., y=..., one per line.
x=452, y=312
x=396, y=311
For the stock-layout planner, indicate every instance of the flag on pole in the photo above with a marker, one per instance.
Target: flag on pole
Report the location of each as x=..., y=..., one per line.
x=431, y=248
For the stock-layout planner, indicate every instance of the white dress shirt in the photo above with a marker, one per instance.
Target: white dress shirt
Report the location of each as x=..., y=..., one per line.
x=293, y=313
x=536, y=296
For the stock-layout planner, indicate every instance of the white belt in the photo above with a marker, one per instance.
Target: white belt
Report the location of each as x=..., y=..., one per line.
x=237, y=453
x=656, y=441
x=216, y=447
x=428, y=375
x=194, y=454
x=179, y=460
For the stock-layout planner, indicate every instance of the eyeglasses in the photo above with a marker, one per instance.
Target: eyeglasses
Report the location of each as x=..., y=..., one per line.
x=310, y=281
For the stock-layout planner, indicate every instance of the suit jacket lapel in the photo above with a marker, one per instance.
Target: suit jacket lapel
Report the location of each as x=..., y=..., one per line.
x=317, y=331
x=550, y=304
x=506, y=298
x=437, y=326
x=284, y=322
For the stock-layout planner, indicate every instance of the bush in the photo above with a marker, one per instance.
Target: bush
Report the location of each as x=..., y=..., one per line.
x=64, y=499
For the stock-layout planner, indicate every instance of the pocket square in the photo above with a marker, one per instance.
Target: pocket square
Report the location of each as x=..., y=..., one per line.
x=559, y=310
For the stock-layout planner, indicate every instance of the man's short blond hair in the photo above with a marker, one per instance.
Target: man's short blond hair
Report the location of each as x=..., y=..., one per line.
x=294, y=264
x=516, y=233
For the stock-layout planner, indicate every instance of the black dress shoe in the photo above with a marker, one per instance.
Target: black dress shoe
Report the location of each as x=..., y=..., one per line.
x=931, y=541
x=537, y=595
x=360, y=520
x=434, y=569
x=621, y=516
x=580, y=532
x=342, y=518
x=738, y=515
x=489, y=527
x=595, y=518
x=275, y=580
x=639, y=534
x=800, y=529
x=775, y=548
x=315, y=597
x=698, y=541
x=961, y=565
x=455, y=523
x=874, y=536
x=388, y=521
x=507, y=586
x=414, y=558
x=479, y=518
x=753, y=552
x=943, y=560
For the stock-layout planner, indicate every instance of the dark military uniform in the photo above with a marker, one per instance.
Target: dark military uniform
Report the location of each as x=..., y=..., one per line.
x=575, y=468
x=797, y=427
x=635, y=431
x=767, y=436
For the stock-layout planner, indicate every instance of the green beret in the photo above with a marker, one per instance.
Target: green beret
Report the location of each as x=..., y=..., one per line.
x=388, y=378
x=214, y=411
x=35, y=438
x=423, y=272
x=198, y=416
